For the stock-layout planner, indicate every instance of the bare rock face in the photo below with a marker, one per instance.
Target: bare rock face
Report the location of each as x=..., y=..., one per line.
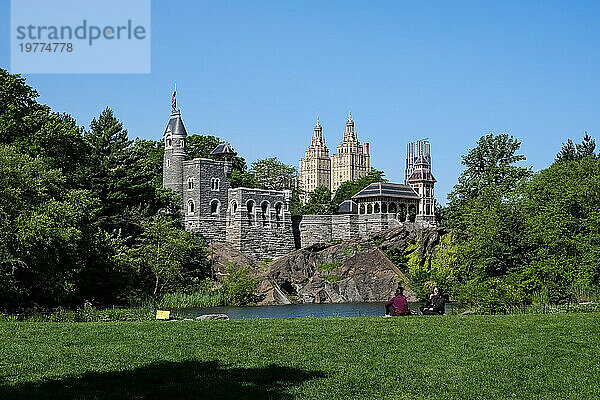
x=224, y=253
x=338, y=273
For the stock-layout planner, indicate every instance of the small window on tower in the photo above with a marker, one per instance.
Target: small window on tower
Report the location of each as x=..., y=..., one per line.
x=190, y=183
x=168, y=163
x=214, y=207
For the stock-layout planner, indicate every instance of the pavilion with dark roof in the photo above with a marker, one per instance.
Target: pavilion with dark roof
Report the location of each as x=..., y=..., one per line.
x=388, y=198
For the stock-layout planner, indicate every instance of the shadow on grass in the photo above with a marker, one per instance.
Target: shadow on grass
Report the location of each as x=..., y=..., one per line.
x=169, y=380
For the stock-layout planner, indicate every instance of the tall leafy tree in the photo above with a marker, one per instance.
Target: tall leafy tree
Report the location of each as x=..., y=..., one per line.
x=349, y=188
x=17, y=105
x=319, y=202
x=166, y=253
x=562, y=211
x=492, y=162
x=271, y=173
x=44, y=227
x=200, y=146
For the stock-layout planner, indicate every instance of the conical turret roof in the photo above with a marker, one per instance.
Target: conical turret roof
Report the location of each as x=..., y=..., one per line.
x=175, y=126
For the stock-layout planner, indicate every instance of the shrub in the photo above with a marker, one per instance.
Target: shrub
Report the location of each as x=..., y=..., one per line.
x=328, y=266
x=492, y=296
x=239, y=286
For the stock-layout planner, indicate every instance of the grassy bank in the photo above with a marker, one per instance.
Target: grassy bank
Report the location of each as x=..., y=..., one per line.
x=453, y=357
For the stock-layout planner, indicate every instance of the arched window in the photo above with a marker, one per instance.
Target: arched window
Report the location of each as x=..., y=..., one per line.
x=384, y=208
x=215, y=183
x=362, y=209
x=168, y=142
x=233, y=207
x=191, y=206
x=402, y=212
x=412, y=212
x=377, y=209
x=264, y=212
x=279, y=211
x=250, y=211
x=168, y=163
x=215, y=208
x=392, y=209
x=190, y=183
x=369, y=209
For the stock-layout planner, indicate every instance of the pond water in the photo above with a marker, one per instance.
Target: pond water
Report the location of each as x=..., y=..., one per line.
x=298, y=310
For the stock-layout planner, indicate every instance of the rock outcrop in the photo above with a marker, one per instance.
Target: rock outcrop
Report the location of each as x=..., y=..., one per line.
x=224, y=253
x=350, y=271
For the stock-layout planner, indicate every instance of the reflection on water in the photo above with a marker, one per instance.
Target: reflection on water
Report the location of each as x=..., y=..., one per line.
x=297, y=310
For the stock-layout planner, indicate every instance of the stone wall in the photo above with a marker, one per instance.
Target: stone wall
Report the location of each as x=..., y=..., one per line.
x=314, y=229
x=259, y=223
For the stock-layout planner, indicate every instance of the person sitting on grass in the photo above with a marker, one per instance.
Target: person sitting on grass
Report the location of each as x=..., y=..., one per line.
x=436, y=303
x=397, y=305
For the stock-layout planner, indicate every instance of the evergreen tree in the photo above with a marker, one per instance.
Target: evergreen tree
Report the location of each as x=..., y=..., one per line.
x=572, y=152
x=587, y=146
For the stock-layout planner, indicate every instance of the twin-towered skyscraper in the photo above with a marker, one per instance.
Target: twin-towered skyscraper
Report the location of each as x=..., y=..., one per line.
x=318, y=168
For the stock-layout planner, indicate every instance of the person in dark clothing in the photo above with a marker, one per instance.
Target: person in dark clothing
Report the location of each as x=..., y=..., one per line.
x=397, y=306
x=436, y=304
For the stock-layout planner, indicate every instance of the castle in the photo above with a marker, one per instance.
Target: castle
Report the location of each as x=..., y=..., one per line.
x=258, y=222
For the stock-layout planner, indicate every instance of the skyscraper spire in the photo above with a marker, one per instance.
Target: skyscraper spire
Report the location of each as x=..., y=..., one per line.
x=349, y=134
x=318, y=134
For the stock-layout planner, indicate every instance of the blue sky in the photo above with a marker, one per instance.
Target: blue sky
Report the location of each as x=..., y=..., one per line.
x=257, y=74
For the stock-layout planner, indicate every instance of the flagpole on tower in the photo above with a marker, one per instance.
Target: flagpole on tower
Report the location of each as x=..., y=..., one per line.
x=174, y=99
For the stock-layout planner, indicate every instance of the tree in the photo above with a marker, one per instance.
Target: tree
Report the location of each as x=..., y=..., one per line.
x=349, y=188
x=108, y=141
x=587, y=146
x=490, y=163
x=17, y=104
x=200, y=146
x=109, y=152
x=167, y=253
x=33, y=129
x=272, y=174
x=319, y=202
x=485, y=214
x=572, y=152
x=561, y=209
x=44, y=226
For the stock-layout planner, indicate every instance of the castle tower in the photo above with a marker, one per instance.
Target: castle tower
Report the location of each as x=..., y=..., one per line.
x=352, y=160
x=422, y=181
x=315, y=167
x=174, y=139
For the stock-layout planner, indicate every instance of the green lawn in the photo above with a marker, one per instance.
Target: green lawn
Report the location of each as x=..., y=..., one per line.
x=452, y=357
